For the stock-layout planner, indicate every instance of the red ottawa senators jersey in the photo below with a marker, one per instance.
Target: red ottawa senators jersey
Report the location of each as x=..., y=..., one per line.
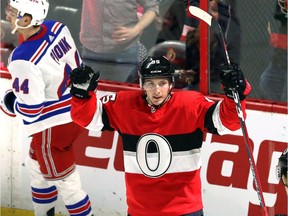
x=161, y=146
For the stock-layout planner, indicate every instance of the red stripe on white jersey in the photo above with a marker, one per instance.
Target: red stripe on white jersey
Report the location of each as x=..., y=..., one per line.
x=39, y=51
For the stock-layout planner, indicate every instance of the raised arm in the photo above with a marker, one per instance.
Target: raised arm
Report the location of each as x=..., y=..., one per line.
x=224, y=114
x=84, y=104
x=232, y=78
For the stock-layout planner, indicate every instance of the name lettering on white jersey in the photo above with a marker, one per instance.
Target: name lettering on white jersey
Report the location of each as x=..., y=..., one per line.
x=60, y=49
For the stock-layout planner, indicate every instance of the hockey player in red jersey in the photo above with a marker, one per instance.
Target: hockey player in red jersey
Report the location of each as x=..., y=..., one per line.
x=162, y=132
x=40, y=67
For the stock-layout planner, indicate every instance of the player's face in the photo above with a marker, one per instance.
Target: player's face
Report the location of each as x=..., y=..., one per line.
x=11, y=16
x=157, y=90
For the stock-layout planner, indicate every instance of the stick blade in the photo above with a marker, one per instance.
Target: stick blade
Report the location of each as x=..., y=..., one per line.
x=200, y=14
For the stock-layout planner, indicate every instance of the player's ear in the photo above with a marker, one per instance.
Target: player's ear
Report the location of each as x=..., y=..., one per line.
x=171, y=85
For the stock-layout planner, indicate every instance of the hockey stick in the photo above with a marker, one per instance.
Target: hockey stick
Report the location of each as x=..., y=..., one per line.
x=206, y=17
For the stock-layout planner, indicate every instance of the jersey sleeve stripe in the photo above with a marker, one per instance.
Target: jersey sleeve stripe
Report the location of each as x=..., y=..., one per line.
x=56, y=27
x=32, y=111
x=56, y=106
x=48, y=115
x=29, y=110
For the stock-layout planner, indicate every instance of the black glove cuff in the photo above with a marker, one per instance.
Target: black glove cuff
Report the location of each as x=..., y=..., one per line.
x=79, y=93
x=9, y=100
x=229, y=94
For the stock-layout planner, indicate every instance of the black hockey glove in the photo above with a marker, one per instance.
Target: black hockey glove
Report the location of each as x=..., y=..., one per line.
x=83, y=80
x=7, y=103
x=232, y=78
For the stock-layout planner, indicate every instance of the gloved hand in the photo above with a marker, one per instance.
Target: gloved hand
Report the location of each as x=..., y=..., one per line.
x=7, y=103
x=232, y=78
x=82, y=81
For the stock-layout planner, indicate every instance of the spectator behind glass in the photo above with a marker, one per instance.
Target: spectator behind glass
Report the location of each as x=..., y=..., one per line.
x=225, y=14
x=190, y=76
x=224, y=11
x=170, y=42
x=273, y=81
x=110, y=34
x=171, y=20
x=8, y=42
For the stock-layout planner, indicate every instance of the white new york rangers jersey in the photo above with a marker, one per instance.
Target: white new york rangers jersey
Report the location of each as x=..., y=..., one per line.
x=40, y=68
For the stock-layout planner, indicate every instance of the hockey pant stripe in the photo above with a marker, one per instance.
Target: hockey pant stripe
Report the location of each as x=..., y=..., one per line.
x=81, y=208
x=44, y=195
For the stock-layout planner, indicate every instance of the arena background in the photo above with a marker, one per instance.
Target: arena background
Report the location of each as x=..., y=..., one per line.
x=253, y=16
x=267, y=125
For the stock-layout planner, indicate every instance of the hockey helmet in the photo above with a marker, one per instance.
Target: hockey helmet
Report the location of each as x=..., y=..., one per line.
x=282, y=165
x=156, y=67
x=174, y=51
x=38, y=9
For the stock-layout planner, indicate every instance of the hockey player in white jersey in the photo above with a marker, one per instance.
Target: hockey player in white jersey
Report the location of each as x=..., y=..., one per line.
x=40, y=67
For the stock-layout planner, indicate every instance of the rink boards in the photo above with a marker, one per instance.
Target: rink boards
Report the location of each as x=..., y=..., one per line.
x=226, y=178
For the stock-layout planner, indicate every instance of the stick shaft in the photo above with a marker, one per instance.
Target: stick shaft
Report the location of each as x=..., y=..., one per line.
x=249, y=152
x=206, y=17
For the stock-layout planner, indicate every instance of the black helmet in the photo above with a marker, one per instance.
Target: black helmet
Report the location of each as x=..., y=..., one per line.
x=154, y=67
x=282, y=164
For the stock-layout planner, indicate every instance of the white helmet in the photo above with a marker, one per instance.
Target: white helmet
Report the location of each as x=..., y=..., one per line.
x=38, y=9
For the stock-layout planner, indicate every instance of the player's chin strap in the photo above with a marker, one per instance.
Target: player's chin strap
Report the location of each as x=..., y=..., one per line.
x=153, y=107
x=20, y=27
